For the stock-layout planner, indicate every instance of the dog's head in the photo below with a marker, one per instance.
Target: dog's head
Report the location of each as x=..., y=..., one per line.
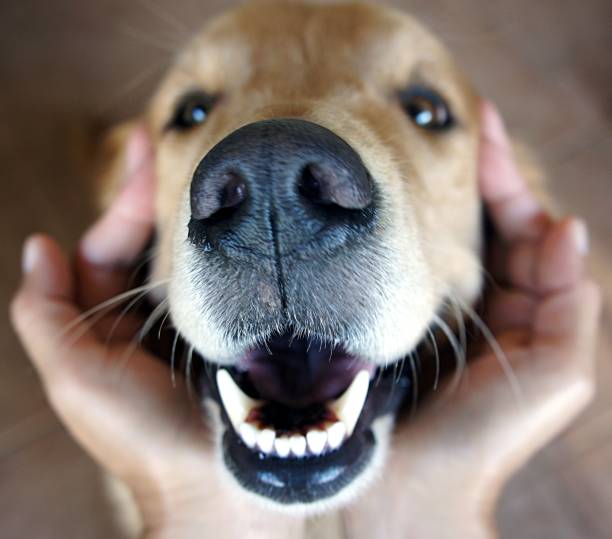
x=317, y=210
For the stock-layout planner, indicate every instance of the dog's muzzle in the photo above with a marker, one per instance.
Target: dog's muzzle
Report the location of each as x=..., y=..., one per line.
x=288, y=207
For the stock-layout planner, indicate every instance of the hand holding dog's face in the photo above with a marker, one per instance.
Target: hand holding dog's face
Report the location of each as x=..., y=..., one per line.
x=316, y=213
x=121, y=405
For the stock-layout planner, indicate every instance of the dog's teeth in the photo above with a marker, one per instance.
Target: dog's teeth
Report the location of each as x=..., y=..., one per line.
x=265, y=440
x=249, y=434
x=236, y=403
x=347, y=409
x=336, y=434
x=349, y=405
x=298, y=445
x=282, y=446
x=316, y=440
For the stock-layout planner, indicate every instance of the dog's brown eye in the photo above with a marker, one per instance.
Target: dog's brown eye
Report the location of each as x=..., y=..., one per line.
x=192, y=110
x=426, y=108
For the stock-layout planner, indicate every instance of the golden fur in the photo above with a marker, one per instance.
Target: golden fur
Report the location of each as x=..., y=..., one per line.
x=339, y=66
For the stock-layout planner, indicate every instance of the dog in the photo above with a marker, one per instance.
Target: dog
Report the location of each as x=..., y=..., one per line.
x=317, y=213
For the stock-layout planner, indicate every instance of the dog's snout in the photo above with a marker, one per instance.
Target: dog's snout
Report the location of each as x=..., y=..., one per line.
x=296, y=177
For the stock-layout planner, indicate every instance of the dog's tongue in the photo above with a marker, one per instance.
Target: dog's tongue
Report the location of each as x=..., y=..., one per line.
x=298, y=372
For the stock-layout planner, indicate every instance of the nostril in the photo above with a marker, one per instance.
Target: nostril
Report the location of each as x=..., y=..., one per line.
x=335, y=184
x=217, y=194
x=234, y=192
x=310, y=186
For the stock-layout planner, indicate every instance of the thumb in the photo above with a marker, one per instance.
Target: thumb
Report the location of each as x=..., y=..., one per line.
x=43, y=306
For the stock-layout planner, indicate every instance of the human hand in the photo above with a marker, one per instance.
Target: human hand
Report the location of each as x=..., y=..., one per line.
x=449, y=464
x=115, y=398
x=127, y=414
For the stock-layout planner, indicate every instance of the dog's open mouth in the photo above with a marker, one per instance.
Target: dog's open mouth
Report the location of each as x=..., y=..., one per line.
x=298, y=415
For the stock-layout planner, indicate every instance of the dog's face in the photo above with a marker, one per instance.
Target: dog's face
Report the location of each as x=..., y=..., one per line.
x=317, y=210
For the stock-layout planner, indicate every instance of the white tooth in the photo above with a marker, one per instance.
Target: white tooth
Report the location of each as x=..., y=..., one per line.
x=265, y=440
x=249, y=434
x=316, y=441
x=282, y=446
x=335, y=434
x=236, y=403
x=298, y=445
x=348, y=406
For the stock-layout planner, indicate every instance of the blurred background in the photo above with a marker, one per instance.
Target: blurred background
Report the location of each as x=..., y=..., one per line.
x=69, y=68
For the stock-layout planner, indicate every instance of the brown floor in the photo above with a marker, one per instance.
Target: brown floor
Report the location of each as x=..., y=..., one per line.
x=69, y=66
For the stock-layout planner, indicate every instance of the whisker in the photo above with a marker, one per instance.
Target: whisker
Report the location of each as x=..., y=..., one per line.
x=437, y=356
x=166, y=17
x=173, y=358
x=188, y=373
x=137, y=340
x=415, y=385
x=122, y=315
x=156, y=314
x=147, y=256
x=139, y=336
x=460, y=360
x=98, y=311
x=169, y=46
x=460, y=324
x=131, y=85
x=161, y=326
x=499, y=354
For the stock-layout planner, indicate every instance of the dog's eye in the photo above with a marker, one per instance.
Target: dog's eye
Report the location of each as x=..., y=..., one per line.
x=191, y=111
x=426, y=108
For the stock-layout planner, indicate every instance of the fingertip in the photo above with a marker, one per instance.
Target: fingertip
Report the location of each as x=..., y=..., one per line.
x=119, y=235
x=561, y=261
x=492, y=124
x=580, y=236
x=46, y=270
x=138, y=149
x=32, y=252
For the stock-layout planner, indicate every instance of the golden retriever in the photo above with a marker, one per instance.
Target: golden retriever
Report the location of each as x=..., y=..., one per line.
x=318, y=219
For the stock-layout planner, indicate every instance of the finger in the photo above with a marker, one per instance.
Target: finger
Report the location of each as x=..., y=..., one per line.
x=121, y=233
x=104, y=399
x=43, y=307
x=553, y=263
x=568, y=322
x=513, y=208
x=561, y=259
x=509, y=310
x=114, y=243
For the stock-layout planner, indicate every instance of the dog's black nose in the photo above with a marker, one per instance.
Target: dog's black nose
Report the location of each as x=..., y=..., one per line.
x=286, y=180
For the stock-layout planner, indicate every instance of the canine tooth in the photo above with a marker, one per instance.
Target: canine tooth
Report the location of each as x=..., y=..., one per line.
x=348, y=406
x=236, y=403
x=298, y=445
x=249, y=434
x=316, y=440
x=265, y=440
x=335, y=434
x=282, y=446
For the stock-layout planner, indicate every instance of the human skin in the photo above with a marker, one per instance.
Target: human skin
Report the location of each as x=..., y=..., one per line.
x=120, y=404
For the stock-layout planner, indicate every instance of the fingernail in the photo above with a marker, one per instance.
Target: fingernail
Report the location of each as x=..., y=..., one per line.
x=580, y=234
x=30, y=256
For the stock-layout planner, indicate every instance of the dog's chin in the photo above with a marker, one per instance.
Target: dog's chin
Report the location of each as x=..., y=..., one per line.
x=302, y=425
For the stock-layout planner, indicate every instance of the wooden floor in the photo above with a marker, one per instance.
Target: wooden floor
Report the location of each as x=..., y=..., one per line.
x=68, y=67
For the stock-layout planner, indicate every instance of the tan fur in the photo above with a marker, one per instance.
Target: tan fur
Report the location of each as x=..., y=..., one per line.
x=339, y=66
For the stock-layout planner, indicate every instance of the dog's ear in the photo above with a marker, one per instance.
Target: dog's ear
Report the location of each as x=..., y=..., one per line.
x=110, y=159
